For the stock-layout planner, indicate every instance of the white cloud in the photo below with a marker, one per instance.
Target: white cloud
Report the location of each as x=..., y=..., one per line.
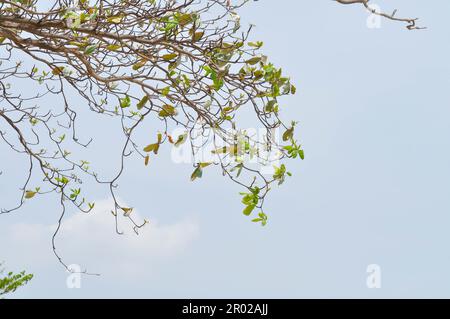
x=90, y=241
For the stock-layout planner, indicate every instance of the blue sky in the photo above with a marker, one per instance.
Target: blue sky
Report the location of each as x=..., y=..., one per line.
x=373, y=107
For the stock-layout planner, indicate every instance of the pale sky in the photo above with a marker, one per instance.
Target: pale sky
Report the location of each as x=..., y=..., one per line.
x=374, y=113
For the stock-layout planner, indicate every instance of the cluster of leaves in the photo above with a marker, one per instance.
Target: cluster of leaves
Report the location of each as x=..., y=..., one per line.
x=12, y=281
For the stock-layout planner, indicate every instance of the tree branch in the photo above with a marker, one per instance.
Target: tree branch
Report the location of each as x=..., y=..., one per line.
x=410, y=22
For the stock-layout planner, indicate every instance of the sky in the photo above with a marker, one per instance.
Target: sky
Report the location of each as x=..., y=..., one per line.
x=373, y=112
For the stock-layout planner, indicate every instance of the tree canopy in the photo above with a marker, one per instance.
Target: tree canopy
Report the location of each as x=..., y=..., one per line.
x=188, y=64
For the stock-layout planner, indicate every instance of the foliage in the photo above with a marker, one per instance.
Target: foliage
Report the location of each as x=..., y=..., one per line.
x=188, y=64
x=13, y=281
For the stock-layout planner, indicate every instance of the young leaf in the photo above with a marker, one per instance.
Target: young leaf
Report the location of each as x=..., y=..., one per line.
x=197, y=173
x=125, y=102
x=113, y=47
x=114, y=19
x=197, y=36
x=142, y=102
x=221, y=150
x=167, y=110
x=301, y=153
x=30, y=194
x=181, y=139
x=248, y=210
x=288, y=134
x=254, y=60
x=139, y=64
x=169, y=57
x=90, y=49
x=152, y=148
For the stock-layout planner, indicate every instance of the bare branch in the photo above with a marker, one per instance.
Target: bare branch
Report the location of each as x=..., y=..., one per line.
x=410, y=22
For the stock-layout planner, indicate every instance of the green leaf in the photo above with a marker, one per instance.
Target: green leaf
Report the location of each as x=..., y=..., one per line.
x=262, y=219
x=222, y=150
x=257, y=44
x=63, y=180
x=301, y=153
x=90, y=49
x=165, y=91
x=58, y=70
x=113, y=47
x=288, y=134
x=181, y=139
x=125, y=102
x=248, y=210
x=197, y=173
x=139, y=64
x=167, y=110
x=169, y=57
x=270, y=106
x=185, y=19
x=197, y=36
x=30, y=194
x=239, y=168
x=142, y=102
x=293, y=89
x=254, y=60
x=115, y=19
x=152, y=148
